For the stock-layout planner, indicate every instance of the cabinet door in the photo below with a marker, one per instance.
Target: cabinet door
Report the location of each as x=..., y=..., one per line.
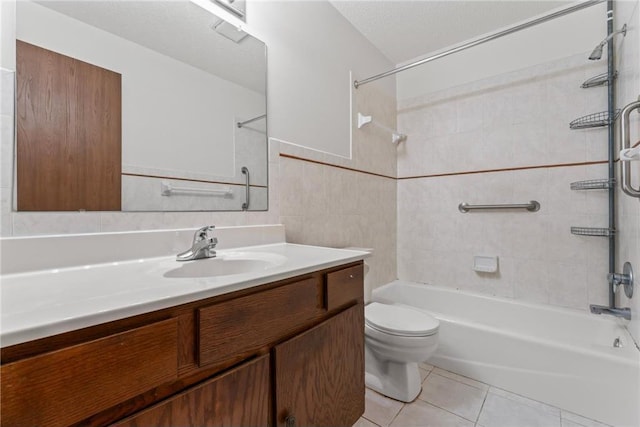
x=319, y=374
x=69, y=125
x=239, y=397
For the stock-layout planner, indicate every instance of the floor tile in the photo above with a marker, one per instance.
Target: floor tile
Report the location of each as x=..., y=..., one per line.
x=525, y=400
x=568, y=423
x=422, y=414
x=569, y=417
x=363, y=422
x=426, y=366
x=459, y=398
x=460, y=378
x=499, y=411
x=423, y=374
x=380, y=409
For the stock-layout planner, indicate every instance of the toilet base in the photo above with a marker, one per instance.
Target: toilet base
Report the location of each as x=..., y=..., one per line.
x=399, y=381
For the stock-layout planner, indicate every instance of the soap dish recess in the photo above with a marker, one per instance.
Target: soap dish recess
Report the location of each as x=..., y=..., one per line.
x=485, y=264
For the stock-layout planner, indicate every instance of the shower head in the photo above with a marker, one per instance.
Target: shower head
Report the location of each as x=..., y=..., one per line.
x=597, y=52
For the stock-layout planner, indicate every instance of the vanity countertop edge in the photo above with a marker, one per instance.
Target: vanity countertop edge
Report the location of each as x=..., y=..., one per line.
x=45, y=303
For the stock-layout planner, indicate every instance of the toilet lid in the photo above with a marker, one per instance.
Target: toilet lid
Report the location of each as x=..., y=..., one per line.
x=400, y=320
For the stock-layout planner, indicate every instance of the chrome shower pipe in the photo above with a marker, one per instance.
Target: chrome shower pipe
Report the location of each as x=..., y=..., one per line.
x=511, y=30
x=246, y=122
x=611, y=146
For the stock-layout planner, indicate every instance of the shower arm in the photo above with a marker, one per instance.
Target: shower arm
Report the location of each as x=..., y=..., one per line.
x=597, y=51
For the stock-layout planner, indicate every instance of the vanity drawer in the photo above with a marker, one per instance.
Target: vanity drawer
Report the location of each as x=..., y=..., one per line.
x=68, y=385
x=344, y=286
x=234, y=329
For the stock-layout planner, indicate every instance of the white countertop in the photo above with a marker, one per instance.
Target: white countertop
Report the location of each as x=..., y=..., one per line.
x=43, y=303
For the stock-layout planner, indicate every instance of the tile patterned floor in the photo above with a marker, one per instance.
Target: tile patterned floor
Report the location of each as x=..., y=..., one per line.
x=451, y=400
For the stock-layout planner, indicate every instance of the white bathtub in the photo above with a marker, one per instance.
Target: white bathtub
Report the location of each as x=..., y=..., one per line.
x=558, y=356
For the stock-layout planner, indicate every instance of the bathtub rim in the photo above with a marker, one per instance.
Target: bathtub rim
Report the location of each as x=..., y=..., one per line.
x=630, y=353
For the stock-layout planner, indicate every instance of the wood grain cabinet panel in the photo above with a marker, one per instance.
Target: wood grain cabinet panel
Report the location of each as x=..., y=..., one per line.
x=252, y=358
x=68, y=385
x=319, y=374
x=239, y=397
x=344, y=286
x=234, y=329
x=69, y=132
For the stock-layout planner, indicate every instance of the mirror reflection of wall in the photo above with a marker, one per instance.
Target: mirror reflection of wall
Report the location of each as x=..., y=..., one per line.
x=185, y=88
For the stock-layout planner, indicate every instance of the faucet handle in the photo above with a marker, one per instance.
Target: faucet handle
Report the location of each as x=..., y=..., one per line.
x=201, y=233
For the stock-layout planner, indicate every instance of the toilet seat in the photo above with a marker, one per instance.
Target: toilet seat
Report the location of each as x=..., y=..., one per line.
x=400, y=320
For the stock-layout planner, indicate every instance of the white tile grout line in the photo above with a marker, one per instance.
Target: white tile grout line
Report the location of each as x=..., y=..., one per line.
x=446, y=410
x=482, y=406
x=376, y=424
x=562, y=411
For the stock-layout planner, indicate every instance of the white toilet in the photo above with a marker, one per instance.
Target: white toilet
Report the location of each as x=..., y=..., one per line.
x=397, y=338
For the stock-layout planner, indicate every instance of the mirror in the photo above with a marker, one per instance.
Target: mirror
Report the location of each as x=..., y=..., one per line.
x=192, y=99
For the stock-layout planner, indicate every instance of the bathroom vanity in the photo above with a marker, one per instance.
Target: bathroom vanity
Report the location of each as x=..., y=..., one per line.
x=286, y=352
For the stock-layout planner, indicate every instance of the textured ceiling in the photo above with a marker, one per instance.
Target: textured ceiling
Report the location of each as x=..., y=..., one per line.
x=403, y=30
x=179, y=29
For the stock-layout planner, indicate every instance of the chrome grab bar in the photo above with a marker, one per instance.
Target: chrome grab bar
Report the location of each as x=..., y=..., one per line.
x=532, y=206
x=167, y=189
x=625, y=141
x=245, y=205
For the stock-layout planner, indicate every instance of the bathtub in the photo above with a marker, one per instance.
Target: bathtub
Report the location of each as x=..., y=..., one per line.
x=561, y=357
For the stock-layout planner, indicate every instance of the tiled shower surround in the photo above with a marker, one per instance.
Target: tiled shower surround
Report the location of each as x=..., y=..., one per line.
x=506, y=139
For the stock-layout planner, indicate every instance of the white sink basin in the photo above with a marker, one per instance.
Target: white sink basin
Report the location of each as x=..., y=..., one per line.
x=226, y=265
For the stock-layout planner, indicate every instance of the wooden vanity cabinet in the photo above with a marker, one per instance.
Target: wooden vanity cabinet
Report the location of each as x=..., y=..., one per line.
x=239, y=397
x=288, y=353
x=319, y=375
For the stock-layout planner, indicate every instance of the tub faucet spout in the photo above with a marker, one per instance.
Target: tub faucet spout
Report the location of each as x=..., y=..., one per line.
x=625, y=313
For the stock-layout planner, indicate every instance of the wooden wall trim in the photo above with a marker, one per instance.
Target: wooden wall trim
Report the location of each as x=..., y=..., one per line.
x=289, y=156
x=546, y=166
x=190, y=180
x=520, y=168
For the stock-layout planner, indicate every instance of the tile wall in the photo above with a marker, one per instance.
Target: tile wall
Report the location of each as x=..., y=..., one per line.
x=628, y=213
x=506, y=139
x=333, y=201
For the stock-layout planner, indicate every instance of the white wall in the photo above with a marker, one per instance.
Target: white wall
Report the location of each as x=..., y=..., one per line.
x=160, y=111
x=628, y=214
x=577, y=32
x=7, y=45
x=311, y=50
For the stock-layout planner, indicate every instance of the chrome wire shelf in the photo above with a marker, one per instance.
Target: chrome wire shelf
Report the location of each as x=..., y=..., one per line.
x=594, y=184
x=591, y=231
x=599, y=80
x=595, y=120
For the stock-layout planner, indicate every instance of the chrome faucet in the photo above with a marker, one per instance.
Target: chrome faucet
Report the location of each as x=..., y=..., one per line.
x=202, y=246
x=625, y=313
